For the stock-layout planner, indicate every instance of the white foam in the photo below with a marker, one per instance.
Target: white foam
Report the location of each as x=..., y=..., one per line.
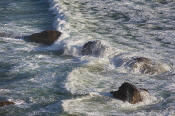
x=89, y=77
x=73, y=47
x=19, y=103
x=98, y=104
x=72, y=44
x=88, y=105
x=4, y=90
x=93, y=76
x=147, y=100
x=123, y=60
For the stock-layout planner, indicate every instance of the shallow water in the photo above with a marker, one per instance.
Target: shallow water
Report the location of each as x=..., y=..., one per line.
x=43, y=81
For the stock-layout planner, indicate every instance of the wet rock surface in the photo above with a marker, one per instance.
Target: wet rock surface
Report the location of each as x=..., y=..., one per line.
x=5, y=103
x=146, y=66
x=47, y=37
x=93, y=48
x=128, y=92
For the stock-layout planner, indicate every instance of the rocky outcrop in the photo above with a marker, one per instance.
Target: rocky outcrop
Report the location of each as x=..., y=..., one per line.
x=128, y=92
x=95, y=48
x=47, y=37
x=4, y=103
x=145, y=66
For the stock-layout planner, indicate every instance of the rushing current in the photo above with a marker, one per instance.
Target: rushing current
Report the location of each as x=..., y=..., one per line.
x=57, y=80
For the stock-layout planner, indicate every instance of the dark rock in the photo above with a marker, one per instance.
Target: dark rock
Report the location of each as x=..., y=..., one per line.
x=145, y=66
x=142, y=59
x=128, y=92
x=47, y=37
x=93, y=48
x=4, y=103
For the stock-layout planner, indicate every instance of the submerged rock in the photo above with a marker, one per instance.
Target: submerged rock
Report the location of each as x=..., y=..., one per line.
x=146, y=66
x=93, y=48
x=47, y=37
x=4, y=103
x=128, y=92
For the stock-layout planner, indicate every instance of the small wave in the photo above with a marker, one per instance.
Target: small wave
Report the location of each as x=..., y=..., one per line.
x=147, y=100
x=98, y=104
x=4, y=90
x=140, y=65
x=19, y=103
x=89, y=77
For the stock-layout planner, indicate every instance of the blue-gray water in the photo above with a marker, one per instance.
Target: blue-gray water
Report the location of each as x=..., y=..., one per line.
x=41, y=81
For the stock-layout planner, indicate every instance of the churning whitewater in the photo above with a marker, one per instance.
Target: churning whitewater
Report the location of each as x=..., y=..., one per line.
x=103, y=44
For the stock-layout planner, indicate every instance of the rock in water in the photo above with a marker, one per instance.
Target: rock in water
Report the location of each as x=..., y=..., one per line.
x=47, y=37
x=93, y=48
x=4, y=103
x=146, y=66
x=128, y=92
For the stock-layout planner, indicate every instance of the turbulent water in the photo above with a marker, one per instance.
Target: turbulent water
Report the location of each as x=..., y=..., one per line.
x=44, y=80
